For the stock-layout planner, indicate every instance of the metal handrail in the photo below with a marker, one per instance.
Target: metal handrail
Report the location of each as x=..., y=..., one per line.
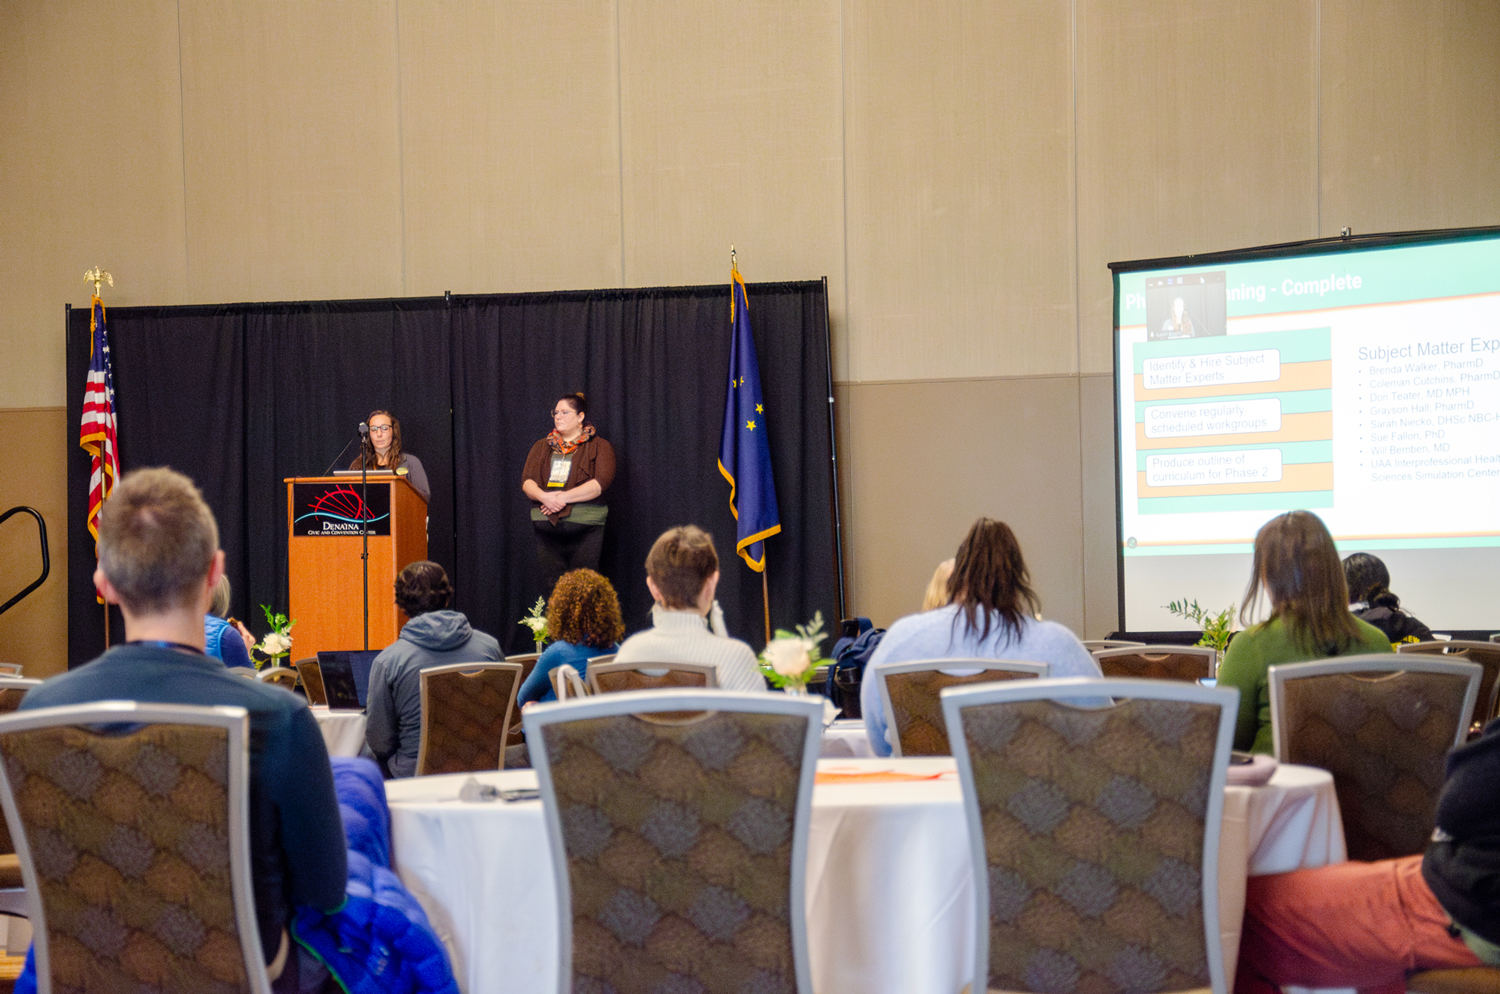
x=41, y=527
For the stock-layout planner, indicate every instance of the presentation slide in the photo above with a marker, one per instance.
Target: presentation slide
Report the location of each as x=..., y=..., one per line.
x=1363, y=385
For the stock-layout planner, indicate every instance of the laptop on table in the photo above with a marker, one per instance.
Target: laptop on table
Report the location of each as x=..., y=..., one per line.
x=346, y=678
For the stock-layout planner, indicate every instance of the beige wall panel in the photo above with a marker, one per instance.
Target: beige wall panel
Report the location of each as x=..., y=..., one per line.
x=1197, y=132
x=290, y=125
x=34, y=632
x=510, y=145
x=1101, y=586
x=960, y=189
x=731, y=136
x=91, y=174
x=934, y=456
x=1411, y=115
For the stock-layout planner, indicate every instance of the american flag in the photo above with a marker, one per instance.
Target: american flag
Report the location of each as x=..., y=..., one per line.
x=97, y=431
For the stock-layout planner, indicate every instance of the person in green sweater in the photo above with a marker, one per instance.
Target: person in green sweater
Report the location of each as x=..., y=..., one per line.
x=1297, y=566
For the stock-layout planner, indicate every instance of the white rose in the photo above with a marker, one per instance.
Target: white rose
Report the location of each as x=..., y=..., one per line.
x=275, y=644
x=788, y=657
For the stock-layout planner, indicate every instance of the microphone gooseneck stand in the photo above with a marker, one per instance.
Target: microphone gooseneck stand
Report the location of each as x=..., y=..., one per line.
x=364, y=521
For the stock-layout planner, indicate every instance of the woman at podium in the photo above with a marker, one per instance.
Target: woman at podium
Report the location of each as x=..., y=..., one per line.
x=566, y=474
x=384, y=454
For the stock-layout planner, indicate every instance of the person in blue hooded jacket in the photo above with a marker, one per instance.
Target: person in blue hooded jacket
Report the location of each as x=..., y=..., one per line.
x=435, y=636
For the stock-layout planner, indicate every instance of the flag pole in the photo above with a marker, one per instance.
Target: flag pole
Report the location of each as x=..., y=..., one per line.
x=765, y=593
x=98, y=276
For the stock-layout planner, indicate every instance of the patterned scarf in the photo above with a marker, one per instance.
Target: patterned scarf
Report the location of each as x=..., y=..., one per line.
x=555, y=439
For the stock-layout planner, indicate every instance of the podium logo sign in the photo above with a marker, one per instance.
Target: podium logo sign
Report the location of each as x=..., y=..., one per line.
x=335, y=509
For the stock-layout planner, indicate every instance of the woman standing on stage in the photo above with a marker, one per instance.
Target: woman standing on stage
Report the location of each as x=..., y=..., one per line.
x=385, y=455
x=565, y=477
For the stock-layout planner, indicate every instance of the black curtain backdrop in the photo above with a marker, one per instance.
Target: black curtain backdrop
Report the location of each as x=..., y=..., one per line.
x=241, y=396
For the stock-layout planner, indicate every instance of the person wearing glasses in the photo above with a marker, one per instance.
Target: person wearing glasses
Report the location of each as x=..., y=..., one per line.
x=565, y=477
x=386, y=456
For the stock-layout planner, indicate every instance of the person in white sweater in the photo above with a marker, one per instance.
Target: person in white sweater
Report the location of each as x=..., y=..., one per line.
x=682, y=573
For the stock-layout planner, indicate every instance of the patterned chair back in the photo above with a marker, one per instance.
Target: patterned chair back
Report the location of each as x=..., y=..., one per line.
x=609, y=677
x=684, y=842
x=465, y=716
x=1098, y=645
x=12, y=689
x=135, y=845
x=312, y=681
x=527, y=661
x=1190, y=663
x=1088, y=830
x=910, y=692
x=1382, y=724
x=1486, y=654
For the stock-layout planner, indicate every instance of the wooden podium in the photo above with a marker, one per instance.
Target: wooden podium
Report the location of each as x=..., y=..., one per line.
x=325, y=582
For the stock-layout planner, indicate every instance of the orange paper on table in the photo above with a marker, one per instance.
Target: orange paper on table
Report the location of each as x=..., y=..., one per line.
x=873, y=776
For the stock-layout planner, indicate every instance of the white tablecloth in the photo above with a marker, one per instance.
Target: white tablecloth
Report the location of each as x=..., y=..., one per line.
x=889, y=898
x=343, y=731
x=847, y=739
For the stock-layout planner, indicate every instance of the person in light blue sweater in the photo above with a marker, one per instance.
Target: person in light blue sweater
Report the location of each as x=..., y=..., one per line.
x=583, y=615
x=991, y=614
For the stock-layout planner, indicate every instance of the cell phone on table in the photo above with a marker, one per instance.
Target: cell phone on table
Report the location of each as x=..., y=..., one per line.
x=520, y=794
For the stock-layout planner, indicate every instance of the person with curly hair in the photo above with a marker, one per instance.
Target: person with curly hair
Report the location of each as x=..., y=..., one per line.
x=583, y=618
x=435, y=636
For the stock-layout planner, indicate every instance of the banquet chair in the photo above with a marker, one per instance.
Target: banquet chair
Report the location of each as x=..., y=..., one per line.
x=679, y=846
x=1096, y=645
x=567, y=683
x=312, y=681
x=12, y=689
x=1459, y=980
x=1094, y=832
x=909, y=692
x=610, y=677
x=1486, y=654
x=165, y=798
x=1159, y=662
x=527, y=660
x=12, y=891
x=281, y=676
x=466, y=709
x=1382, y=724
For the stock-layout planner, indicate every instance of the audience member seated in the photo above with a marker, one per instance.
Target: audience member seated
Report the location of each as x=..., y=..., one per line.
x=682, y=573
x=1297, y=566
x=991, y=614
x=1371, y=600
x=159, y=560
x=435, y=636
x=583, y=617
x=1368, y=925
x=225, y=640
x=936, y=595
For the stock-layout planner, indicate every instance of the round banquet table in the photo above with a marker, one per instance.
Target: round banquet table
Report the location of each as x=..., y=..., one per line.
x=343, y=731
x=889, y=898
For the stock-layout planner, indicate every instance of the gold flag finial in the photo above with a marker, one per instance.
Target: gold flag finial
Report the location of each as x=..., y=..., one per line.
x=731, y=257
x=97, y=276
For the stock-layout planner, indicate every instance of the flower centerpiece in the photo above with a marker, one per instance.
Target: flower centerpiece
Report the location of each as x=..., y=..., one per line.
x=791, y=657
x=278, y=641
x=536, y=620
x=1215, y=627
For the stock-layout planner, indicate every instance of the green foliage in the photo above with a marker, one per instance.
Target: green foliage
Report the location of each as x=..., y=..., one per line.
x=536, y=620
x=1216, y=627
x=788, y=648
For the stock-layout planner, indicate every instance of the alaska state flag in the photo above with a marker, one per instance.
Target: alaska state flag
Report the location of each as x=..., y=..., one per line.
x=745, y=449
